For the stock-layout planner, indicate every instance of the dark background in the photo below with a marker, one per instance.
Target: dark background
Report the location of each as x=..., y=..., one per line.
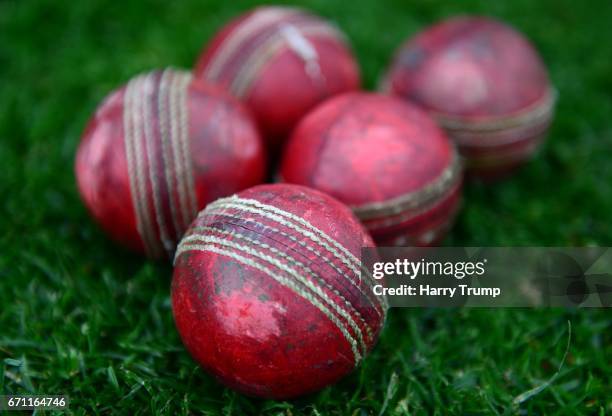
x=82, y=317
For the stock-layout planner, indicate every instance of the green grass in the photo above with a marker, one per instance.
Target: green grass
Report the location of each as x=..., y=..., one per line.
x=79, y=316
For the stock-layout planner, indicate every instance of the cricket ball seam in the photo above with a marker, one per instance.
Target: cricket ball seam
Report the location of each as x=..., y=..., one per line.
x=151, y=99
x=376, y=224
x=187, y=169
x=169, y=163
x=247, y=28
x=197, y=239
x=429, y=194
x=530, y=115
x=283, y=281
x=381, y=301
x=257, y=61
x=252, y=61
x=293, y=261
x=494, y=139
x=176, y=117
x=432, y=234
x=313, y=233
x=239, y=63
x=134, y=154
x=164, y=238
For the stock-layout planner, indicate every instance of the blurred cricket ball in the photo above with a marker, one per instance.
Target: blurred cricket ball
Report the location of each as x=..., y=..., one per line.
x=384, y=158
x=268, y=292
x=484, y=83
x=157, y=151
x=280, y=61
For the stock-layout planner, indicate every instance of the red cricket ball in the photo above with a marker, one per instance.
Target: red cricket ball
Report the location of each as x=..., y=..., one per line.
x=157, y=151
x=384, y=158
x=268, y=293
x=484, y=83
x=280, y=61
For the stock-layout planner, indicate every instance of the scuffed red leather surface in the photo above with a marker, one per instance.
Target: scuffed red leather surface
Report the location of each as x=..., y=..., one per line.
x=363, y=148
x=252, y=333
x=283, y=91
x=227, y=155
x=475, y=69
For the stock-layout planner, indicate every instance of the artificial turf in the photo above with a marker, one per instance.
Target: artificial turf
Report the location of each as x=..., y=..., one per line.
x=82, y=317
